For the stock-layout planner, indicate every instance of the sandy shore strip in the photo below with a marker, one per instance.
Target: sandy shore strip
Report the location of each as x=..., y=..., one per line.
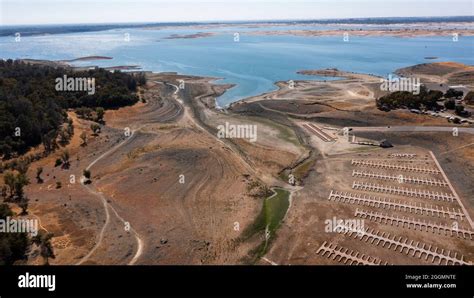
x=190, y=36
x=365, y=32
x=88, y=58
x=283, y=86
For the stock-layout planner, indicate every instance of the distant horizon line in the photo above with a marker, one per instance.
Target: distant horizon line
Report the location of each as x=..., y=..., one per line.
x=243, y=21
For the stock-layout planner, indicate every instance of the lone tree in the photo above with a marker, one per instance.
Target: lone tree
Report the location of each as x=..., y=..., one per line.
x=15, y=182
x=87, y=175
x=70, y=127
x=95, y=128
x=23, y=204
x=43, y=240
x=100, y=114
x=65, y=159
x=39, y=171
x=9, y=180
x=58, y=162
x=21, y=180
x=64, y=137
x=22, y=166
x=83, y=137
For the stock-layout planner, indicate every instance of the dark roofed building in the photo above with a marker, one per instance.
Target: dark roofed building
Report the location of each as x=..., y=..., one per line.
x=385, y=144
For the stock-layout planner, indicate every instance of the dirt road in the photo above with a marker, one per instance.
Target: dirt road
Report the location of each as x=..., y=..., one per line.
x=106, y=206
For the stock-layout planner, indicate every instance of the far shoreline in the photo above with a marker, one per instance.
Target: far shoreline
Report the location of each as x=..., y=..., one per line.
x=32, y=29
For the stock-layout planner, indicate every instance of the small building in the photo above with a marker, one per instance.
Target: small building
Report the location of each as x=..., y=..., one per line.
x=385, y=144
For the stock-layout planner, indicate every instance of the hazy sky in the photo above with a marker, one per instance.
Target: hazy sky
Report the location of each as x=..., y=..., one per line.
x=14, y=12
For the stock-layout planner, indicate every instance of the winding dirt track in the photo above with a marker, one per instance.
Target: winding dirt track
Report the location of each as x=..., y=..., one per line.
x=100, y=195
x=169, y=111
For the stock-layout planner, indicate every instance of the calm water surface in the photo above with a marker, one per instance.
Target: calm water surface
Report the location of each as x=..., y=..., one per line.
x=253, y=63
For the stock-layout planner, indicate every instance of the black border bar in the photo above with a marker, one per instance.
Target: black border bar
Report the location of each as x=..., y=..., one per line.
x=221, y=281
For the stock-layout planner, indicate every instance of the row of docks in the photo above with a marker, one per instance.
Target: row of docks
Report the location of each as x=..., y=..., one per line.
x=388, y=204
x=399, y=178
x=402, y=155
x=411, y=248
x=401, y=191
x=390, y=166
x=347, y=256
x=412, y=223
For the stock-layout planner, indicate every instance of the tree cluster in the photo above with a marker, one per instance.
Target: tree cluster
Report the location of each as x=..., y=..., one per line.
x=32, y=111
x=13, y=246
x=426, y=99
x=404, y=99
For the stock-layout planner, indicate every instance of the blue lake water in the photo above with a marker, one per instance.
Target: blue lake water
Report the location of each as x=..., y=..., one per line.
x=254, y=63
